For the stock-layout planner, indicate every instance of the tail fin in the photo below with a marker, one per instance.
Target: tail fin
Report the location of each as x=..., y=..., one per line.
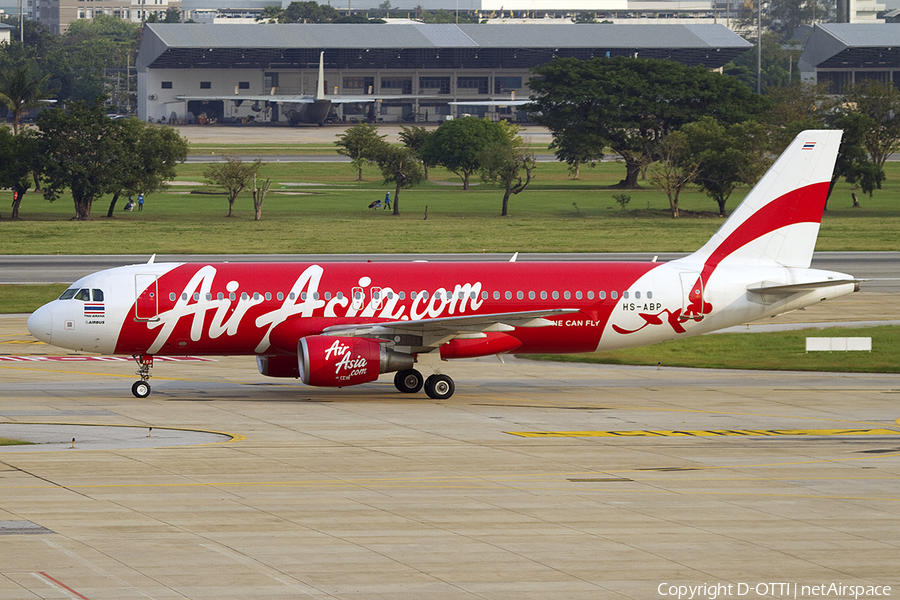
x=778, y=222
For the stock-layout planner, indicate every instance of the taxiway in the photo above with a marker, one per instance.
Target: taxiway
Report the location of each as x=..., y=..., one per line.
x=534, y=481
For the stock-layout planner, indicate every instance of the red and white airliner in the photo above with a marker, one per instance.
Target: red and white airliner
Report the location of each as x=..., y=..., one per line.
x=343, y=324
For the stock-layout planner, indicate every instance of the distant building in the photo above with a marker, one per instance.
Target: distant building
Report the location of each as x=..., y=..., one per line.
x=845, y=53
x=5, y=33
x=415, y=69
x=57, y=14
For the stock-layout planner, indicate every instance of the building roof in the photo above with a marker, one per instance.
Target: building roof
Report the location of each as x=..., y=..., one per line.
x=426, y=45
x=852, y=45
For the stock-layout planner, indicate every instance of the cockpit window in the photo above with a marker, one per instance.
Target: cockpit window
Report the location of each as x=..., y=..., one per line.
x=68, y=294
x=98, y=295
x=84, y=295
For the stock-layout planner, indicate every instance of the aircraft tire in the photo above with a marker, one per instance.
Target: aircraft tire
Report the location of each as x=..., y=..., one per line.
x=140, y=389
x=439, y=387
x=409, y=381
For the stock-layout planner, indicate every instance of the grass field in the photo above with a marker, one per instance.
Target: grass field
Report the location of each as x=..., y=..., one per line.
x=319, y=207
x=777, y=351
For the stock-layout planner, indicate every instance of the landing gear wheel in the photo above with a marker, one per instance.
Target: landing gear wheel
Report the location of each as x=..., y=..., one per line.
x=439, y=387
x=140, y=389
x=409, y=381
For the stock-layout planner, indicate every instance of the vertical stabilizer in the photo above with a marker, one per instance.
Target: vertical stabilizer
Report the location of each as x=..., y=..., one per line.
x=778, y=222
x=320, y=87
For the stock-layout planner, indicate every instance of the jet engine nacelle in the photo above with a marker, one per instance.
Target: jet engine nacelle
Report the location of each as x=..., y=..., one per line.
x=337, y=361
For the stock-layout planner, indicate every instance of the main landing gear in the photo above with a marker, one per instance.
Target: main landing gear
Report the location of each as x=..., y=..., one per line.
x=141, y=389
x=437, y=387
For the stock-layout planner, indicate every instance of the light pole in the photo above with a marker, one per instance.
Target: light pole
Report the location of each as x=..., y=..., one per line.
x=759, y=46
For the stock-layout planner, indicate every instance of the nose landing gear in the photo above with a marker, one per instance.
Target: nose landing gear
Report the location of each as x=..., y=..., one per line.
x=141, y=389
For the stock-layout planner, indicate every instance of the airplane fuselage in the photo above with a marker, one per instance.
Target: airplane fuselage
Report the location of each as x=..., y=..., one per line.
x=264, y=308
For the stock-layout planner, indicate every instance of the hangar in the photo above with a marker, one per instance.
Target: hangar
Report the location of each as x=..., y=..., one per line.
x=401, y=72
x=846, y=53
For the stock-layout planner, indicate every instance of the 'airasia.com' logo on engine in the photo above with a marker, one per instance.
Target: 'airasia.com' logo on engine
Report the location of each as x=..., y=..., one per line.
x=347, y=367
x=303, y=299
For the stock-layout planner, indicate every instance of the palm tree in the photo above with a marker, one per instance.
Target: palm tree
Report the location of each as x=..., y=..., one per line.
x=21, y=92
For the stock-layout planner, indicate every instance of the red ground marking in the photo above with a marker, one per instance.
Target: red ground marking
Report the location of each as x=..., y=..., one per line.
x=41, y=358
x=64, y=586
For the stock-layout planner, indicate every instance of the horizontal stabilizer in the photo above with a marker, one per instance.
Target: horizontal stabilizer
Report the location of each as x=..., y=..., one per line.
x=794, y=288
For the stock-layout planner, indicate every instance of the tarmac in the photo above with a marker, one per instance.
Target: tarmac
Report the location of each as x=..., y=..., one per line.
x=534, y=481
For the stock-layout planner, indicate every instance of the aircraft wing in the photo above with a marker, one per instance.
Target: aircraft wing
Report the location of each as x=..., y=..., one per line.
x=434, y=332
x=301, y=98
x=490, y=103
x=291, y=98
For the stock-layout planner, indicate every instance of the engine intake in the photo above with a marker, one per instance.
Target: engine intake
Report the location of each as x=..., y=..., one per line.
x=339, y=361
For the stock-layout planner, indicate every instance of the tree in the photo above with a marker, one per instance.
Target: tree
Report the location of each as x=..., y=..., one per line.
x=726, y=156
x=148, y=157
x=399, y=165
x=80, y=151
x=18, y=153
x=233, y=174
x=881, y=102
x=361, y=143
x=794, y=109
x=93, y=56
x=259, y=195
x=633, y=103
x=507, y=164
x=783, y=17
x=853, y=161
x=22, y=91
x=172, y=15
x=300, y=12
x=676, y=166
x=577, y=147
x=445, y=16
x=458, y=144
x=777, y=64
x=414, y=138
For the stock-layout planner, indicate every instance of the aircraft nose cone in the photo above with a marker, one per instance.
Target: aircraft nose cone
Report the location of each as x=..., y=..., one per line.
x=40, y=324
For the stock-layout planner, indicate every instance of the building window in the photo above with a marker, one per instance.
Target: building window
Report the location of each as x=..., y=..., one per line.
x=837, y=79
x=403, y=84
x=505, y=84
x=243, y=85
x=435, y=85
x=270, y=80
x=880, y=76
x=167, y=85
x=479, y=84
x=205, y=85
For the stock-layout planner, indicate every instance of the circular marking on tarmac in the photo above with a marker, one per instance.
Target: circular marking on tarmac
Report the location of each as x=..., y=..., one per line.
x=45, y=437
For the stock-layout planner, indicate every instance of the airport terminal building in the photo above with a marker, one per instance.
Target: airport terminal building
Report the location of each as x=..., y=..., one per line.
x=415, y=69
x=850, y=53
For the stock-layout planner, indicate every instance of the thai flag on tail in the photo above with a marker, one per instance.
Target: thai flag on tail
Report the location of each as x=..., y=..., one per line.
x=808, y=146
